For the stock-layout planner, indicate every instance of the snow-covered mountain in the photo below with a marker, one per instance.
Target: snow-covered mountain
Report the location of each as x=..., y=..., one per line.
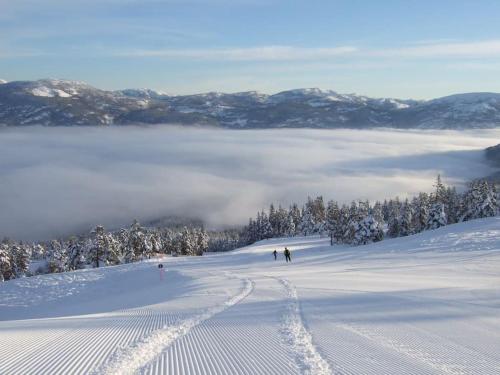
x=64, y=103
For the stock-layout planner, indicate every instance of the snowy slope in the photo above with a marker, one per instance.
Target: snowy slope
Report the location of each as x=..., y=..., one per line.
x=425, y=304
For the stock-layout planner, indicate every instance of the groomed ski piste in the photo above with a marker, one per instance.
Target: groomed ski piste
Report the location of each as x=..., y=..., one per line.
x=424, y=304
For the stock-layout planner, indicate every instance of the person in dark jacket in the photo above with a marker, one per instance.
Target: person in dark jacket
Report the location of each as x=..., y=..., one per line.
x=275, y=253
x=288, y=258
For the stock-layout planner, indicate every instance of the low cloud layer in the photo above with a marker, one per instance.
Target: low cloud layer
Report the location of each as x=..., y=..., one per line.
x=57, y=181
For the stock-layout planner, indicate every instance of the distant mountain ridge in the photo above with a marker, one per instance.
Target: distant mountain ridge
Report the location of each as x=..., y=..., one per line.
x=493, y=154
x=53, y=102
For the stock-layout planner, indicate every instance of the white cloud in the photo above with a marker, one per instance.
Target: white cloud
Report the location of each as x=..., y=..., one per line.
x=417, y=50
x=59, y=181
x=485, y=48
x=264, y=53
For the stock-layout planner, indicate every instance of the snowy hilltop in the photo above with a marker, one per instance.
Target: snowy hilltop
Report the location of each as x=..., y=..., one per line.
x=53, y=102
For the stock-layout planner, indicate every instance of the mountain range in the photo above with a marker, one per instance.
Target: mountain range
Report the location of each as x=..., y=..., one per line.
x=53, y=102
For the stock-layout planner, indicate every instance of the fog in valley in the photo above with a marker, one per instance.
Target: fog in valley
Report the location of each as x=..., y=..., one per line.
x=59, y=181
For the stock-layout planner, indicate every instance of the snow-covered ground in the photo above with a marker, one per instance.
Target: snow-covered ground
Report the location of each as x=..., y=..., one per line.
x=425, y=304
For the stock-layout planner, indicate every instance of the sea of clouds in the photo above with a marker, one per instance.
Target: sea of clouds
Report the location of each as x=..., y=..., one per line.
x=59, y=181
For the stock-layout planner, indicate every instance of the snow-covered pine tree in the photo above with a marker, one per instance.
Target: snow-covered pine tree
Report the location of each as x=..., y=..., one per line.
x=307, y=225
x=352, y=222
x=135, y=246
x=266, y=230
x=377, y=213
x=440, y=194
x=112, y=255
x=176, y=244
x=147, y=245
x=57, y=258
x=319, y=213
x=76, y=253
x=6, y=266
x=289, y=229
x=156, y=241
x=99, y=246
x=453, y=205
x=201, y=241
x=332, y=220
x=406, y=219
x=479, y=201
x=37, y=251
x=187, y=242
x=282, y=223
x=363, y=209
x=367, y=230
x=394, y=220
x=250, y=232
x=386, y=211
x=122, y=238
x=22, y=258
x=296, y=215
x=274, y=220
x=422, y=212
x=15, y=249
x=342, y=232
x=437, y=216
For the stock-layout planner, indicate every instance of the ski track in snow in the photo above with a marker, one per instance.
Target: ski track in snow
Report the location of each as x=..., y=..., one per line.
x=80, y=346
x=243, y=340
x=308, y=359
x=135, y=357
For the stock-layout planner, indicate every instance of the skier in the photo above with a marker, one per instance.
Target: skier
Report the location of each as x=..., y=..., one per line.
x=162, y=271
x=275, y=253
x=288, y=258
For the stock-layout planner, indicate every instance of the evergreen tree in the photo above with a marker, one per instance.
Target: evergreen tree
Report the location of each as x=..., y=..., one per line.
x=440, y=194
x=378, y=213
x=112, y=254
x=251, y=232
x=282, y=225
x=22, y=258
x=437, y=216
x=135, y=247
x=76, y=254
x=289, y=226
x=317, y=208
x=394, y=221
x=274, y=221
x=367, y=230
x=406, y=219
x=202, y=241
x=6, y=266
x=99, y=246
x=422, y=212
x=342, y=233
x=453, y=205
x=332, y=220
x=296, y=215
x=187, y=242
x=57, y=257
x=479, y=201
x=307, y=225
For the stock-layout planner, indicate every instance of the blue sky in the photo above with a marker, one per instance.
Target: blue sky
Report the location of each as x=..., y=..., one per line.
x=406, y=49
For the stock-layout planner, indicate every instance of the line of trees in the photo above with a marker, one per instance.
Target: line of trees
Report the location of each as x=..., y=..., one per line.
x=358, y=223
x=362, y=222
x=102, y=248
